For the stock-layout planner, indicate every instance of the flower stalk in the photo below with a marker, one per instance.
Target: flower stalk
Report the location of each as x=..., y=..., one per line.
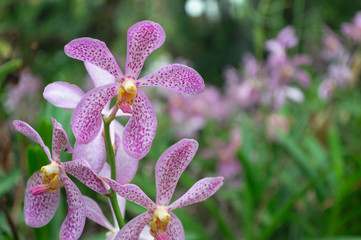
x=111, y=161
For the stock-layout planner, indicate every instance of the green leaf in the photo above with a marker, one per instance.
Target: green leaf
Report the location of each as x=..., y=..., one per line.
x=9, y=67
x=283, y=212
x=36, y=158
x=9, y=181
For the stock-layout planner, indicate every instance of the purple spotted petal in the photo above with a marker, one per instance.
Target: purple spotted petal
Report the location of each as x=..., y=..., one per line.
x=145, y=234
x=73, y=225
x=132, y=193
x=39, y=209
x=95, y=52
x=175, y=229
x=63, y=94
x=132, y=229
x=60, y=141
x=105, y=171
x=143, y=38
x=200, y=191
x=94, y=152
x=126, y=165
x=87, y=118
x=28, y=131
x=99, y=76
x=94, y=213
x=80, y=169
x=140, y=129
x=176, y=77
x=170, y=167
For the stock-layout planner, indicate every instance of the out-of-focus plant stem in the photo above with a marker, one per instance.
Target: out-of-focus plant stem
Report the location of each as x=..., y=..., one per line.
x=111, y=161
x=258, y=29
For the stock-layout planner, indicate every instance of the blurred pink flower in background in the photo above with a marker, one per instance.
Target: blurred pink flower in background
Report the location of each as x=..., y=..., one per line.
x=24, y=97
x=276, y=124
x=353, y=30
x=190, y=113
x=338, y=74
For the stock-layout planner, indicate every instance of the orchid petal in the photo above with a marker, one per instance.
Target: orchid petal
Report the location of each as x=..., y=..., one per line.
x=94, y=152
x=176, y=77
x=95, y=52
x=112, y=236
x=99, y=76
x=200, y=191
x=143, y=38
x=28, y=131
x=63, y=94
x=126, y=166
x=105, y=171
x=170, y=167
x=73, y=225
x=87, y=118
x=145, y=234
x=140, y=129
x=80, y=169
x=39, y=209
x=60, y=141
x=94, y=213
x=175, y=229
x=132, y=229
x=132, y=193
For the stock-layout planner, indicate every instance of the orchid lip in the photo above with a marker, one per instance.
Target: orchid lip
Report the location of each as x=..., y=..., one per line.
x=162, y=213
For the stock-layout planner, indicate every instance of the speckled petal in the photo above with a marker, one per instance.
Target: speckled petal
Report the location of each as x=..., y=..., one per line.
x=28, y=131
x=145, y=234
x=99, y=76
x=132, y=229
x=175, y=229
x=80, y=169
x=94, y=152
x=200, y=191
x=63, y=94
x=170, y=167
x=73, y=225
x=140, y=129
x=95, y=52
x=126, y=165
x=39, y=209
x=87, y=118
x=132, y=193
x=143, y=38
x=60, y=141
x=176, y=77
x=94, y=213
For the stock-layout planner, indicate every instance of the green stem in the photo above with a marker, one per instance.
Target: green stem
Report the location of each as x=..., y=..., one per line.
x=111, y=161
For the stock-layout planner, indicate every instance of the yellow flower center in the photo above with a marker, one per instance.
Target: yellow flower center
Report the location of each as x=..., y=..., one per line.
x=126, y=94
x=160, y=221
x=51, y=177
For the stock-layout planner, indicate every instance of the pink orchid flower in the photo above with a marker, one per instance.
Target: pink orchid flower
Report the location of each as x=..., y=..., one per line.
x=353, y=30
x=143, y=38
x=42, y=190
x=94, y=212
x=163, y=223
x=66, y=95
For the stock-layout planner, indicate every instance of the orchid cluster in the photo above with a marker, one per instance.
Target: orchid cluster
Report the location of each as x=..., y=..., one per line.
x=105, y=155
x=340, y=58
x=271, y=83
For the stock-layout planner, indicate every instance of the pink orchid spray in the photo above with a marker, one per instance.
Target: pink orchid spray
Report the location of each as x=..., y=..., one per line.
x=163, y=223
x=143, y=38
x=42, y=190
x=65, y=95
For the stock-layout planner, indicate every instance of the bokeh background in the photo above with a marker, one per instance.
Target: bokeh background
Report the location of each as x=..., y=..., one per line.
x=279, y=120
